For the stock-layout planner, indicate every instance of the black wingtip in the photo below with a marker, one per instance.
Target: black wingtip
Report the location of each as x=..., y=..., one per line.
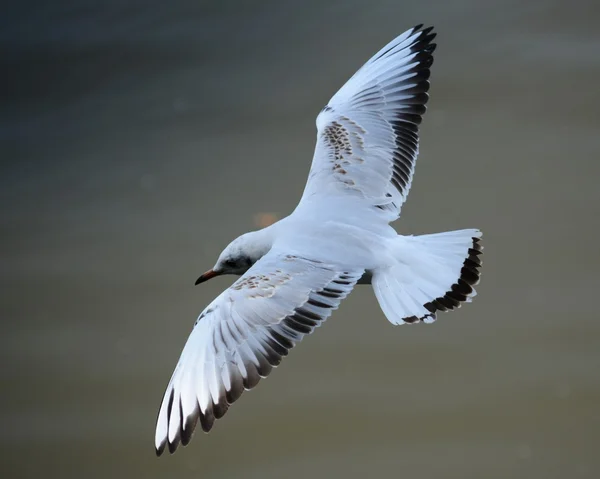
x=188, y=428
x=426, y=37
x=159, y=450
x=464, y=287
x=173, y=445
x=425, y=31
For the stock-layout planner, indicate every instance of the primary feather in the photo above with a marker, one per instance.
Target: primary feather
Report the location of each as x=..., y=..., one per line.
x=367, y=140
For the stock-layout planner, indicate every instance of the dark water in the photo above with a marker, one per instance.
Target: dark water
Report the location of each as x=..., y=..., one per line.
x=138, y=138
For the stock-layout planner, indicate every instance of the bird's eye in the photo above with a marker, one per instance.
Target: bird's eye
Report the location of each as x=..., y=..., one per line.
x=230, y=263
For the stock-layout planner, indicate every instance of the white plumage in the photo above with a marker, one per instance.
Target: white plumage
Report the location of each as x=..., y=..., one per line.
x=297, y=271
x=243, y=333
x=375, y=117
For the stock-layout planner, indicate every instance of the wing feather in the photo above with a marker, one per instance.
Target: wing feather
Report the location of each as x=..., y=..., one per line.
x=242, y=335
x=367, y=140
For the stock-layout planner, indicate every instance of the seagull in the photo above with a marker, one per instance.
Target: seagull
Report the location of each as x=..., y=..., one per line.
x=295, y=272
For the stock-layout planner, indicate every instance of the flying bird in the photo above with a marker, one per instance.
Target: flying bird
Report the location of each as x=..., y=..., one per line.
x=295, y=272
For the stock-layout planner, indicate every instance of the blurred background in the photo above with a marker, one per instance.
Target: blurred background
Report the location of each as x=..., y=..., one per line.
x=138, y=138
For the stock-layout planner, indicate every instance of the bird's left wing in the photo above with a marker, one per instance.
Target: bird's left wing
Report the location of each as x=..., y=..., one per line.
x=368, y=134
x=243, y=334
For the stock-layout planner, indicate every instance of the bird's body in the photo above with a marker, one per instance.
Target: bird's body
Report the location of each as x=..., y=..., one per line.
x=364, y=245
x=295, y=272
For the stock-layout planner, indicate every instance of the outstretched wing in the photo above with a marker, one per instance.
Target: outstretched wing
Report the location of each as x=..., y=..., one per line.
x=243, y=334
x=367, y=139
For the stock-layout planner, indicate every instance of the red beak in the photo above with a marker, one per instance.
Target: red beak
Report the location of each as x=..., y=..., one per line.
x=211, y=273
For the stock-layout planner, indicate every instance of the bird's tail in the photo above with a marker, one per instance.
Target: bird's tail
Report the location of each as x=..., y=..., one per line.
x=432, y=273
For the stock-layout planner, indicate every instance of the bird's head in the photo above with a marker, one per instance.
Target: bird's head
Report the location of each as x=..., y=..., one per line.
x=238, y=256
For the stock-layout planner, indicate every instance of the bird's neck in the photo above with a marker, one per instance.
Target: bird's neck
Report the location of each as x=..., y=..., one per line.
x=261, y=241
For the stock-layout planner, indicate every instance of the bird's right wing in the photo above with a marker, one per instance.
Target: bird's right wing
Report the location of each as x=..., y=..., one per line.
x=243, y=334
x=367, y=139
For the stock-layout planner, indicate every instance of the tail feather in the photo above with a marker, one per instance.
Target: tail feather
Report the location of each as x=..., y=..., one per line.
x=435, y=272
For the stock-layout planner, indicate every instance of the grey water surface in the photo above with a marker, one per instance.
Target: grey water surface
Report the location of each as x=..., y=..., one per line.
x=138, y=138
